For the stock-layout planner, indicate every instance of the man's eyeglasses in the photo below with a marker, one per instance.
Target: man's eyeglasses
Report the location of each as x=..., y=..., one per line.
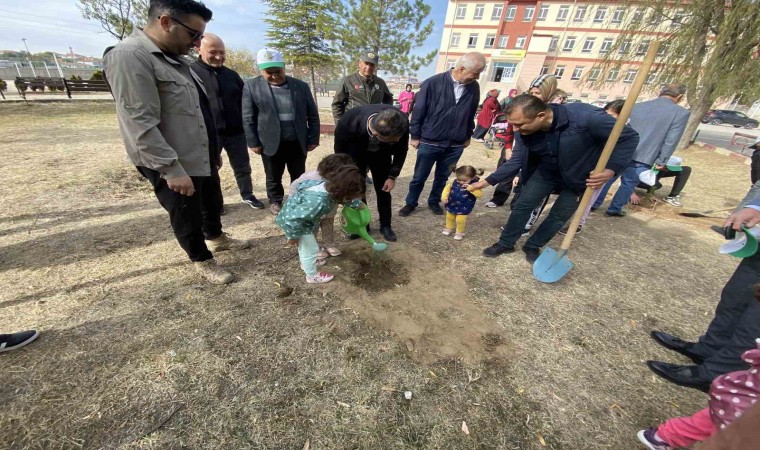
x=195, y=34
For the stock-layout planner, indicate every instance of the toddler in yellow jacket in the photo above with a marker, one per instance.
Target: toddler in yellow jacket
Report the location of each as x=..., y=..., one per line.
x=459, y=199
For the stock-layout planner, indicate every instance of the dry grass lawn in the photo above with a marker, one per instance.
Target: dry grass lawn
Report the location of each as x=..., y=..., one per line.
x=137, y=352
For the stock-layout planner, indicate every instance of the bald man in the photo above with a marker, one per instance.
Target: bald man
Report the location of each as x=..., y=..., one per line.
x=225, y=92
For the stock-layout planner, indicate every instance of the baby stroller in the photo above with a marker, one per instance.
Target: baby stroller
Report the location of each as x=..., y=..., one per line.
x=498, y=132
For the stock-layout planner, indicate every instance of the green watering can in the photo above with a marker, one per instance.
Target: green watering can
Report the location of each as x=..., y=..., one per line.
x=355, y=221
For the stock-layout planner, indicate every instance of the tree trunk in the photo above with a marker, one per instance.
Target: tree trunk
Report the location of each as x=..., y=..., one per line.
x=698, y=110
x=314, y=84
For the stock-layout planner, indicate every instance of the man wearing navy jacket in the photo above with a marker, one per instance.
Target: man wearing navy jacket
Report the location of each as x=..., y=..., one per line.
x=443, y=120
x=558, y=147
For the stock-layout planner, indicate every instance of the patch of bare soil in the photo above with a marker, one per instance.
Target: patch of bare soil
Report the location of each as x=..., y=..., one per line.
x=427, y=307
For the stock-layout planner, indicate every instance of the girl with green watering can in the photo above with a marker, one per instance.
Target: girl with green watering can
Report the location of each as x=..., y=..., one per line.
x=313, y=200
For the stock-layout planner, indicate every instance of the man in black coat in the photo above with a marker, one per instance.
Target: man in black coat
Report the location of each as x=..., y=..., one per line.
x=281, y=122
x=377, y=137
x=225, y=91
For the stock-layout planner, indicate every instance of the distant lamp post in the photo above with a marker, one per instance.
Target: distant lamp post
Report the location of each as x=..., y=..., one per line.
x=29, y=57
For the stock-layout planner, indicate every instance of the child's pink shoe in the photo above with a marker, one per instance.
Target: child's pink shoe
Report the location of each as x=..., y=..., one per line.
x=321, y=261
x=333, y=251
x=447, y=231
x=649, y=438
x=459, y=236
x=322, y=253
x=321, y=277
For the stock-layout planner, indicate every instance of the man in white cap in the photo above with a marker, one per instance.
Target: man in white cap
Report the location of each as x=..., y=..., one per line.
x=281, y=122
x=361, y=88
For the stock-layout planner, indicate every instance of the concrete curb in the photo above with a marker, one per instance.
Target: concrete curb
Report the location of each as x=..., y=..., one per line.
x=722, y=151
x=59, y=100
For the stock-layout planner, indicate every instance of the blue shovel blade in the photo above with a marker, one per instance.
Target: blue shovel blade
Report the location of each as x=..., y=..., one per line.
x=379, y=247
x=551, y=266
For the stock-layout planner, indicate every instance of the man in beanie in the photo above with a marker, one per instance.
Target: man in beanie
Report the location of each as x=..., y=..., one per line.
x=281, y=122
x=168, y=127
x=361, y=88
x=225, y=91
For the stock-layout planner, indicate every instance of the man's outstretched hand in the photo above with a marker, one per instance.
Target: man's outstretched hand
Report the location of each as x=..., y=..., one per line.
x=745, y=216
x=597, y=180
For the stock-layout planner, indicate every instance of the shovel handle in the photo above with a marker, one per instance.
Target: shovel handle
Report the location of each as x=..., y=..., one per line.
x=641, y=77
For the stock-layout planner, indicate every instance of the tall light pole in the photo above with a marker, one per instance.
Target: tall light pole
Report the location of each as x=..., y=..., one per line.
x=29, y=57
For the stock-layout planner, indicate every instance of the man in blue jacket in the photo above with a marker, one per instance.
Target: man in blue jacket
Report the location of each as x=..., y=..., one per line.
x=443, y=120
x=558, y=147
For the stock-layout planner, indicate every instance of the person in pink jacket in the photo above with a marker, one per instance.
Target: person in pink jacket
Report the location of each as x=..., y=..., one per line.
x=406, y=100
x=730, y=396
x=486, y=115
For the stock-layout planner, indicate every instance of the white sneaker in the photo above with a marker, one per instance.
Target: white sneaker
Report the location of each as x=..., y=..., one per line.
x=225, y=242
x=491, y=205
x=322, y=254
x=321, y=277
x=675, y=201
x=478, y=140
x=333, y=251
x=446, y=231
x=213, y=273
x=459, y=236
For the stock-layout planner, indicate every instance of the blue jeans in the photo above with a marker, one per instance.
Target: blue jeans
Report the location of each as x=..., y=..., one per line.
x=533, y=194
x=628, y=181
x=428, y=155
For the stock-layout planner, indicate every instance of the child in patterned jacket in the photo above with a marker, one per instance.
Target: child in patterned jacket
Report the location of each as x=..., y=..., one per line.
x=312, y=201
x=459, y=199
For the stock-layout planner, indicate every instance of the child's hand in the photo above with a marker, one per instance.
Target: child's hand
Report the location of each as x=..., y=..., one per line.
x=466, y=185
x=362, y=206
x=445, y=201
x=293, y=242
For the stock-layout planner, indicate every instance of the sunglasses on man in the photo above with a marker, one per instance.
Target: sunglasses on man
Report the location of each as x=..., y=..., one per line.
x=195, y=34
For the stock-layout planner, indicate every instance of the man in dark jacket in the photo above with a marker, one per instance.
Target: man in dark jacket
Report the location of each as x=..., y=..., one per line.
x=377, y=137
x=443, y=119
x=361, y=88
x=281, y=122
x=557, y=149
x=225, y=91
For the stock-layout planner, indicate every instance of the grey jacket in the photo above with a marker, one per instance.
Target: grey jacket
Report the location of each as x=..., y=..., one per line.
x=660, y=124
x=261, y=120
x=158, y=107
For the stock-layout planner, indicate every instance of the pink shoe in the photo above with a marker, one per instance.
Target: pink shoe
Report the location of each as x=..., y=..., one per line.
x=459, y=236
x=333, y=251
x=321, y=261
x=322, y=253
x=321, y=277
x=446, y=231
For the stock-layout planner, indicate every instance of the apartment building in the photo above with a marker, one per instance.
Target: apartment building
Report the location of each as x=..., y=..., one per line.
x=522, y=39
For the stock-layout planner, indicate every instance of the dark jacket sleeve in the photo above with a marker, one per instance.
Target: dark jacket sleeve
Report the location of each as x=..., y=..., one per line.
x=312, y=116
x=512, y=166
x=473, y=112
x=399, y=151
x=600, y=126
x=754, y=175
x=339, y=101
x=387, y=95
x=420, y=111
x=342, y=138
x=250, y=117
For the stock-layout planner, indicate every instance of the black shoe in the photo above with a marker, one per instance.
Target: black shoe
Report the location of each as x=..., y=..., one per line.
x=593, y=209
x=615, y=214
x=253, y=202
x=388, y=233
x=496, y=250
x=686, y=376
x=531, y=254
x=677, y=345
x=406, y=210
x=437, y=210
x=15, y=341
x=564, y=231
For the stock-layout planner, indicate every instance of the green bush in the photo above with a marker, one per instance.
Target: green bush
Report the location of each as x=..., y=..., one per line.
x=3, y=85
x=97, y=75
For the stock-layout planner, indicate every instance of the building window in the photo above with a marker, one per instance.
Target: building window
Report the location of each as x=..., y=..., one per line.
x=544, y=70
x=606, y=45
x=559, y=71
x=553, y=43
x=664, y=47
x=638, y=14
x=584, y=95
x=455, y=39
x=511, y=12
x=617, y=16
x=642, y=48
x=601, y=13
x=479, y=10
x=472, y=42
x=588, y=45
x=602, y=97
x=677, y=19
x=497, y=10
x=594, y=73
x=520, y=42
x=630, y=76
x=503, y=41
x=542, y=13
x=577, y=73
x=530, y=11
x=612, y=75
x=450, y=64
x=655, y=18
x=503, y=72
x=580, y=14
x=461, y=11
x=490, y=39
x=562, y=14
x=569, y=44
x=625, y=47
x=651, y=78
